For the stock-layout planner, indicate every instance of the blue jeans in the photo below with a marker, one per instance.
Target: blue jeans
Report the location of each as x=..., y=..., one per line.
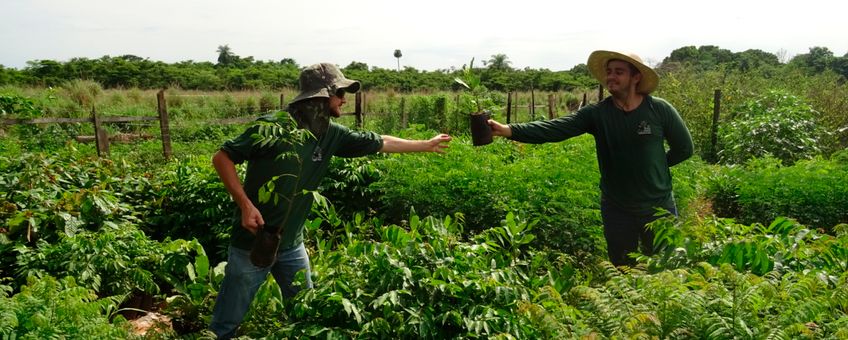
x=624, y=231
x=242, y=279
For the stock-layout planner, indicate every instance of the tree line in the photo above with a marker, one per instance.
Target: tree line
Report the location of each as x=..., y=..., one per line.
x=233, y=72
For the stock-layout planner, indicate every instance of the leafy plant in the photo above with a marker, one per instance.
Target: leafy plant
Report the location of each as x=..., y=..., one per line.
x=284, y=134
x=471, y=81
x=47, y=308
x=191, y=307
x=18, y=106
x=83, y=92
x=812, y=191
x=109, y=262
x=423, y=281
x=777, y=124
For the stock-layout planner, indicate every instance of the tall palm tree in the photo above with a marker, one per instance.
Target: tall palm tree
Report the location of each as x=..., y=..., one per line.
x=225, y=54
x=398, y=55
x=499, y=62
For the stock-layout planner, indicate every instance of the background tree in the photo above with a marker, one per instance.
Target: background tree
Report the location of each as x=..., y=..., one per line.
x=355, y=65
x=817, y=61
x=754, y=59
x=5, y=75
x=398, y=55
x=225, y=55
x=840, y=65
x=289, y=61
x=498, y=62
x=705, y=57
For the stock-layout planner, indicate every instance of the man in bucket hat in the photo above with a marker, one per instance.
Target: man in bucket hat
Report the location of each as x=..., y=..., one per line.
x=322, y=87
x=630, y=128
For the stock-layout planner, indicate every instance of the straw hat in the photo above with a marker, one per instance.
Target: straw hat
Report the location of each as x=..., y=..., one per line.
x=597, y=65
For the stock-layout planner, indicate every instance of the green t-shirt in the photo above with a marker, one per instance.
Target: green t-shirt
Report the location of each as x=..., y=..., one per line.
x=632, y=158
x=263, y=164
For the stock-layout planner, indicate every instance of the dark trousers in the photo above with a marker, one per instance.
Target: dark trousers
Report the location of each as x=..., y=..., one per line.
x=625, y=232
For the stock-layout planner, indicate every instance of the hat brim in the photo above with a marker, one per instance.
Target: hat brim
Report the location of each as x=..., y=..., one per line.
x=597, y=66
x=348, y=85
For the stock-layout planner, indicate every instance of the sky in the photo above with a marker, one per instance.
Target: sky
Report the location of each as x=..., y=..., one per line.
x=433, y=34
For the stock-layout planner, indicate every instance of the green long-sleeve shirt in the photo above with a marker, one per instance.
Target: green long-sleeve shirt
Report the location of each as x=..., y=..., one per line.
x=263, y=164
x=632, y=158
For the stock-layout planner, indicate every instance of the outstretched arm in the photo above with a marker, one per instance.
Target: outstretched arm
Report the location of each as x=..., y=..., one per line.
x=251, y=219
x=392, y=144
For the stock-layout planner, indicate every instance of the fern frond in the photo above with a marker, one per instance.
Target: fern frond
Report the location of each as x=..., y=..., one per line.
x=777, y=334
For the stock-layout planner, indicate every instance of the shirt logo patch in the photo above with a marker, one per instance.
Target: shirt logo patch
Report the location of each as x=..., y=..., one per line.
x=643, y=129
x=317, y=155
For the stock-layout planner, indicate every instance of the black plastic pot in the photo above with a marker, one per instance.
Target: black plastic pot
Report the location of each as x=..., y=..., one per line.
x=264, y=250
x=481, y=132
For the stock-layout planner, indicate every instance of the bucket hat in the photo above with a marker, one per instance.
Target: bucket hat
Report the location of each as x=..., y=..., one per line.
x=324, y=80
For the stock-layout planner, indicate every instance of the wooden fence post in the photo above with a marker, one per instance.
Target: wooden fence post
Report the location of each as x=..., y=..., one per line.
x=508, y=106
x=404, y=117
x=532, y=103
x=551, y=107
x=585, y=98
x=163, y=124
x=714, y=130
x=600, y=92
x=357, y=110
x=440, y=109
x=100, y=136
x=282, y=101
x=457, y=112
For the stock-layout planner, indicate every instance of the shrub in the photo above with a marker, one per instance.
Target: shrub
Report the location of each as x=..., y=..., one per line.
x=777, y=124
x=815, y=192
x=267, y=102
x=47, y=308
x=554, y=184
x=83, y=92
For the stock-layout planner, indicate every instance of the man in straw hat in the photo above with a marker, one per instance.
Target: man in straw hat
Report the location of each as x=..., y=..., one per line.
x=630, y=128
x=323, y=88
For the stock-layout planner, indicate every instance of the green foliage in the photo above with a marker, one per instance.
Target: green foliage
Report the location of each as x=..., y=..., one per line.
x=706, y=301
x=49, y=309
x=777, y=124
x=485, y=184
x=195, y=288
x=818, y=60
x=348, y=185
x=47, y=197
x=692, y=91
x=83, y=92
x=423, y=110
x=481, y=98
x=703, y=57
x=33, y=137
x=476, y=270
x=812, y=191
x=181, y=198
x=424, y=282
x=109, y=262
x=284, y=133
x=204, y=132
x=18, y=106
x=782, y=246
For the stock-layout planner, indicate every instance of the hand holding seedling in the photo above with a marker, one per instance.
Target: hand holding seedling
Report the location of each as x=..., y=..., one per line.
x=499, y=129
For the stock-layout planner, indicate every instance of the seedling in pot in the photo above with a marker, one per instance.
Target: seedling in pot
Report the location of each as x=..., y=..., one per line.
x=481, y=133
